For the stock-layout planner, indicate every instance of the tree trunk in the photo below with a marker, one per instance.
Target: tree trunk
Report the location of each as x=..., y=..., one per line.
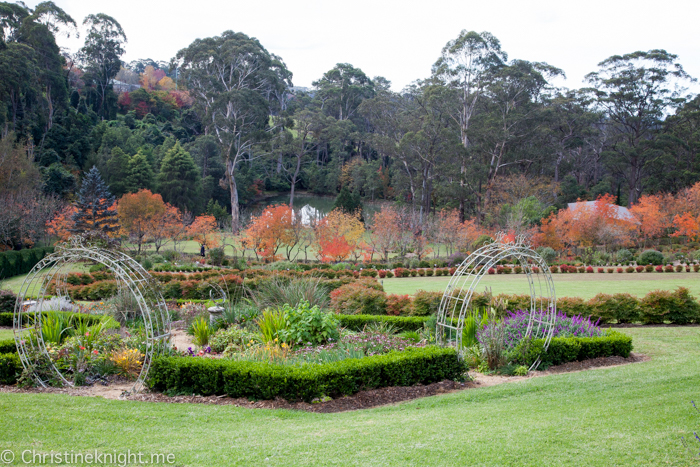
x=235, y=211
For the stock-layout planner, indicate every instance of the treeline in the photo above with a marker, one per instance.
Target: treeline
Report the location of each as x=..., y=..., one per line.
x=487, y=135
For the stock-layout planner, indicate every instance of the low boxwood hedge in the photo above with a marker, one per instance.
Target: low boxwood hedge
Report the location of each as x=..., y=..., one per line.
x=255, y=380
x=402, y=323
x=8, y=346
x=571, y=349
x=6, y=318
x=10, y=368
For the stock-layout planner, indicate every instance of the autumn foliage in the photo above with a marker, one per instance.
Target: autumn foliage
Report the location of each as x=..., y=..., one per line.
x=339, y=235
x=143, y=215
x=204, y=231
x=270, y=231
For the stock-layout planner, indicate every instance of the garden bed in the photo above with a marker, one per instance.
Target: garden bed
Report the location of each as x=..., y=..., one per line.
x=360, y=400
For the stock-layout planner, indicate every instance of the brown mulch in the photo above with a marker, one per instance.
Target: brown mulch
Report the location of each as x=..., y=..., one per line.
x=360, y=400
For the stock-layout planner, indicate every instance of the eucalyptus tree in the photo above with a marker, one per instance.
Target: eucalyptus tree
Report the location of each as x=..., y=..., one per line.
x=234, y=81
x=101, y=55
x=511, y=119
x=342, y=89
x=636, y=91
x=465, y=66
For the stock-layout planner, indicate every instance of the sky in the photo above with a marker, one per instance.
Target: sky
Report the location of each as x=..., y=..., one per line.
x=400, y=40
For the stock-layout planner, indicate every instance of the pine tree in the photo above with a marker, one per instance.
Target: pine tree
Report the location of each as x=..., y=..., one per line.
x=96, y=210
x=178, y=180
x=349, y=203
x=117, y=170
x=140, y=174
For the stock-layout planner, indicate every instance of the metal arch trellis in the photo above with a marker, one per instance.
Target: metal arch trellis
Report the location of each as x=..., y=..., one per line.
x=457, y=297
x=130, y=276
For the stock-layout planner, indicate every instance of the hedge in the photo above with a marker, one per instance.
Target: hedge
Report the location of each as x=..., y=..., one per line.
x=10, y=368
x=8, y=346
x=14, y=263
x=571, y=349
x=402, y=323
x=256, y=380
x=6, y=318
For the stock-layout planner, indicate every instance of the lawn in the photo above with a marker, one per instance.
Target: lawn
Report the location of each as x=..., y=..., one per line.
x=566, y=285
x=6, y=333
x=627, y=415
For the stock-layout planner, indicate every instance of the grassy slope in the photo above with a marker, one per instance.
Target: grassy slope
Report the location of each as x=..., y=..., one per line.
x=628, y=415
x=566, y=285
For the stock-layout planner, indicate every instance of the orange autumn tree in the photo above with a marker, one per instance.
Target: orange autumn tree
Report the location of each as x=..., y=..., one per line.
x=169, y=226
x=204, y=231
x=652, y=217
x=270, y=231
x=62, y=223
x=687, y=225
x=385, y=232
x=139, y=213
x=587, y=224
x=338, y=235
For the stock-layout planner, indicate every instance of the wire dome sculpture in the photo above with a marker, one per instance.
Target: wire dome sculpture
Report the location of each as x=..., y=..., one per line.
x=457, y=298
x=53, y=269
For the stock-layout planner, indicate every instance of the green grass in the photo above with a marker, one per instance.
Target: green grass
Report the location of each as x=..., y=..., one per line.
x=6, y=333
x=626, y=415
x=566, y=285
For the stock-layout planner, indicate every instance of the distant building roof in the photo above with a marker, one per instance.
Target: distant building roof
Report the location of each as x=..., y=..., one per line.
x=621, y=212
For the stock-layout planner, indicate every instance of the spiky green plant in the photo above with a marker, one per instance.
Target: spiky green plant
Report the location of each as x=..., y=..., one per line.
x=270, y=322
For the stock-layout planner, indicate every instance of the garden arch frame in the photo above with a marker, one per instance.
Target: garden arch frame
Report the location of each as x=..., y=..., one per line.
x=458, y=294
x=130, y=276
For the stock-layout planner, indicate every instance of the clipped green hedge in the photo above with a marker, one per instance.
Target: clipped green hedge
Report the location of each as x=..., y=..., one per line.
x=10, y=368
x=14, y=263
x=402, y=323
x=255, y=380
x=8, y=346
x=6, y=318
x=571, y=349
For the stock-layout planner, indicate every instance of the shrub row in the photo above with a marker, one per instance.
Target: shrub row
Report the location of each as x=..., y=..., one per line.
x=14, y=263
x=402, y=323
x=10, y=368
x=6, y=318
x=628, y=269
x=571, y=349
x=8, y=346
x=255, y=380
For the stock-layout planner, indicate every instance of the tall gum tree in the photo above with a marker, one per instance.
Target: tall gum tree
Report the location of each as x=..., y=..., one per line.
x=636, y=91
x=465, y=66
x=235, y=82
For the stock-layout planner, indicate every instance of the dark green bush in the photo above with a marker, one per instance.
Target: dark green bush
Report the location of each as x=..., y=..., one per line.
x=569, y=349
x=7, y=301
x=401, y=323
x=8, y=346
x=10, y=368
x=14, y=263
x=254, y=380
x=653, y=257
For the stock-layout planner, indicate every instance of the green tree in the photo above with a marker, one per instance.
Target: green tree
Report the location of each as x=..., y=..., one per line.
x=101, y=55
x=466, y=67
x=116, y=171
x=234, y=81
x=342, y=89
x=140, y=173
x=635, y=90
x=178, y=180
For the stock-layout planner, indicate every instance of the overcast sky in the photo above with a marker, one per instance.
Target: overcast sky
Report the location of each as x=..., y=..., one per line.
x=400, y=40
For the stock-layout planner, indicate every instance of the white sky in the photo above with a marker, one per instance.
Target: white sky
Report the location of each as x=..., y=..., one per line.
x=400, y=40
